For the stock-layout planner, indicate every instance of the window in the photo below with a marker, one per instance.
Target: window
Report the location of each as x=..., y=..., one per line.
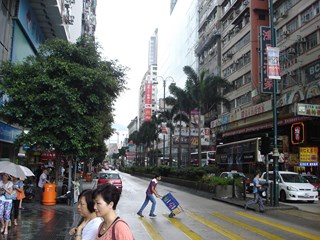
x=311, y=41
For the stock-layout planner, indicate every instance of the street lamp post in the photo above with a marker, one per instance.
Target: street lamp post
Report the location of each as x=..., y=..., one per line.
x=164, y=110
x=275, y=149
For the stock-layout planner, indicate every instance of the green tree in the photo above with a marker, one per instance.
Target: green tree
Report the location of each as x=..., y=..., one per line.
x=206, y=91
x=64, y=96
x=182, y=105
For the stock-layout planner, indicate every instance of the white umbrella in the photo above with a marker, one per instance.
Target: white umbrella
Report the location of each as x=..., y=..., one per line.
x=15, y=169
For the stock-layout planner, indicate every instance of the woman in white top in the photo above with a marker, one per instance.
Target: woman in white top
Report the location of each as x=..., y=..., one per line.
x=5, y=203
x=88, y=228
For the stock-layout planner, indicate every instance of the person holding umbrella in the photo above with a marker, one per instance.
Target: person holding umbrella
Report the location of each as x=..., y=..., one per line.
x=5, y=202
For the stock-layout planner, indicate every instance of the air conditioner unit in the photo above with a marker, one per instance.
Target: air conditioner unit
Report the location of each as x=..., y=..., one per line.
x=229, y=55
x=303, y=40
x=231, y=17
x=246, y=2
x=286, y=33
x=284, y=14
x=291, y=51
x=237, y=11
x=236, y=29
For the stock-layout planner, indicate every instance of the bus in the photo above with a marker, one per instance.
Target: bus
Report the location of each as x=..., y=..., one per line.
x=243, y=156
x=207, y=158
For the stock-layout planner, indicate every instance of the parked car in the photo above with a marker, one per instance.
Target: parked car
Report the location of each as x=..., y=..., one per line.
x=112, y=177
x=314, y=180
x=241, y=176
x=292, y=186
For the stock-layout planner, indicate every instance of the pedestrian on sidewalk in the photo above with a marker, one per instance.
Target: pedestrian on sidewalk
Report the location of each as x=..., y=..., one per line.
x=42, y=180
x=256, y=191
x=152, y=189
x=18, y=186
x=106, y=198
x=7, y=191
x=89, y=225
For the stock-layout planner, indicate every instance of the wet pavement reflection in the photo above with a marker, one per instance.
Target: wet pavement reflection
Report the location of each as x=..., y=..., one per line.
x=37, y=221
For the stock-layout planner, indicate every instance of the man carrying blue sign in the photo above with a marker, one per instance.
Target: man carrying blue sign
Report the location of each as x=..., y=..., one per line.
x=149, y=196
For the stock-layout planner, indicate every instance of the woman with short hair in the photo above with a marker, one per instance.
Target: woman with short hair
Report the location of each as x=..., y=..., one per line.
x=88, y=228
x=106, y=198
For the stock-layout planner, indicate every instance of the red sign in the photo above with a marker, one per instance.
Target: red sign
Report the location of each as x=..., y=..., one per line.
x=297, y=133
x=48, y=156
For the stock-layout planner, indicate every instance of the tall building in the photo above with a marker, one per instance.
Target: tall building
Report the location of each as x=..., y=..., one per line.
x=178, y=36
x=242, y=26
x=153, y=49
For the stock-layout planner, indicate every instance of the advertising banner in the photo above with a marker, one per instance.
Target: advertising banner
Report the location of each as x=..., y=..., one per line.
x=148, y=102
x=273, y=62
x=308, y=156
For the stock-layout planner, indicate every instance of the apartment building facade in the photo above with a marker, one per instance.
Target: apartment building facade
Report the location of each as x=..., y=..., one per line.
x=230, y=39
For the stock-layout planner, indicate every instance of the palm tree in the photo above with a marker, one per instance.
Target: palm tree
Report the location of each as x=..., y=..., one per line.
x=206, y=91
x=147, y=135
x=182, y=106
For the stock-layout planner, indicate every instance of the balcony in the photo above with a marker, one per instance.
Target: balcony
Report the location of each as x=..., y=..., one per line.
x=206, y=43
x=49, y=15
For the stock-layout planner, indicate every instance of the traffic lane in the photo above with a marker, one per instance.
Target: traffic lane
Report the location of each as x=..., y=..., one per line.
x=201, y=215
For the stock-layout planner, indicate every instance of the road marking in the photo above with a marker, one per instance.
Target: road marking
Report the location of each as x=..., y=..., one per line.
x=280, y=226
x=215, y=227
x=302, y=214
x=246, y=226
x=187, y=231
x=154, y=234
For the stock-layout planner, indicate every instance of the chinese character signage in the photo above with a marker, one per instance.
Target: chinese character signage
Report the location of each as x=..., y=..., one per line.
x=308, y=156
x=265, y=41
x=297, y=133
x=308, y=109
x=148, y=102
x=273, y=62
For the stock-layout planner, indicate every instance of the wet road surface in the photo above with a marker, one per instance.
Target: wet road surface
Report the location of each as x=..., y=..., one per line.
x=37, y=221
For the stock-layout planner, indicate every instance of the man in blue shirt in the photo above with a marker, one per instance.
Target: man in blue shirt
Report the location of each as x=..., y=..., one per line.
x=257, y=197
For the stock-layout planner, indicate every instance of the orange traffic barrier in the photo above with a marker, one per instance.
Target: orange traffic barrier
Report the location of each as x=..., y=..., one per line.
x=49, y=194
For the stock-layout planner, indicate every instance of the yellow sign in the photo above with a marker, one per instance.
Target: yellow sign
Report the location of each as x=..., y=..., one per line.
x=308, y=154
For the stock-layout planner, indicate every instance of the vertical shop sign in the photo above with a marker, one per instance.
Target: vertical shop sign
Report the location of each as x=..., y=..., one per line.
x=297, y=133
x=265, y=41
x=148, y=102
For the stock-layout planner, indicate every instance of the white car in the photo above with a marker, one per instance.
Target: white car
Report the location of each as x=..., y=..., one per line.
x=293, y=187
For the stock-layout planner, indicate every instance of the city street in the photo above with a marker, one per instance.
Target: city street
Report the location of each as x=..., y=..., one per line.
x=202, y=218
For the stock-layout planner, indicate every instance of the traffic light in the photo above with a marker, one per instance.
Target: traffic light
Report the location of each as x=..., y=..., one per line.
x=265, y=145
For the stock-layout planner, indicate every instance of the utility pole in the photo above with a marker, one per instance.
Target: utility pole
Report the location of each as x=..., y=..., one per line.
x=275, y=149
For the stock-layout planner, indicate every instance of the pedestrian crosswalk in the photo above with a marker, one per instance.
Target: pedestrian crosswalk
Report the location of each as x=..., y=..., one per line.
x=223, y=225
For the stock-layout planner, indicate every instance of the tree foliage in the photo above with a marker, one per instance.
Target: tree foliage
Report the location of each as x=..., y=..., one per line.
x=64, y=95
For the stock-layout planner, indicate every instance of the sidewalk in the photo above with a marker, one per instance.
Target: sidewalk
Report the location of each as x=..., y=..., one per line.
x=37, y=221
x=240, y=203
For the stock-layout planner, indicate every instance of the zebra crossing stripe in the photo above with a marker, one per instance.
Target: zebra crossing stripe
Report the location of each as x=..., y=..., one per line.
x=248, y=227
x=187, y=231
x=154, y=234
x=215, y=227
x=280, y=226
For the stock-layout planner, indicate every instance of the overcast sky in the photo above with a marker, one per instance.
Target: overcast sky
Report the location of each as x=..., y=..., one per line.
x=124, y=28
